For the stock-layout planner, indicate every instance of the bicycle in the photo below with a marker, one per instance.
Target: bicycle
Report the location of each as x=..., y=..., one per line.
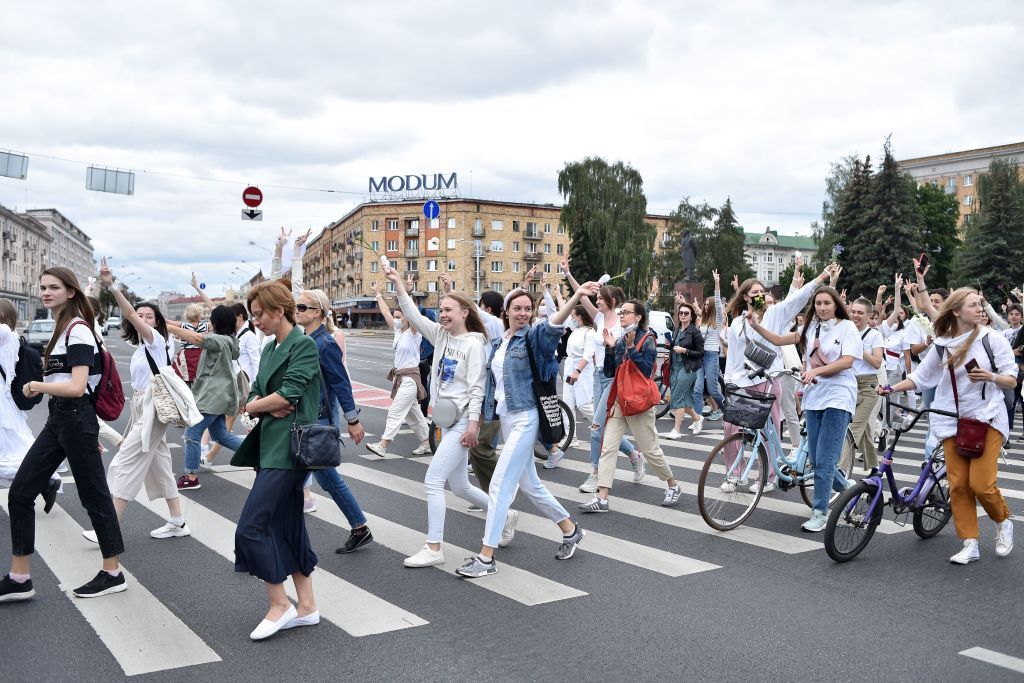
x=434, y=432
x=724, y=495
x=858, y=511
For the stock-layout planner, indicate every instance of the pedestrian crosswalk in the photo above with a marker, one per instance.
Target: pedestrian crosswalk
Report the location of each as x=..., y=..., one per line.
x=144, y=635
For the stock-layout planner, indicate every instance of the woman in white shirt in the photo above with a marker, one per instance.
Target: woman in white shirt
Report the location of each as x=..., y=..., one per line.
x=15, y=436
x=865, y=368
x=578, y=383
x=830, y=343
x=407, y=389
x=975, y=363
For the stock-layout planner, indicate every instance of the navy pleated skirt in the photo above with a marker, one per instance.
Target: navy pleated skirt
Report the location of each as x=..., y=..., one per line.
x=271, y=542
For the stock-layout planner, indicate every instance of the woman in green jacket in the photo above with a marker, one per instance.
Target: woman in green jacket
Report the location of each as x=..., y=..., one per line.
x=271, y=541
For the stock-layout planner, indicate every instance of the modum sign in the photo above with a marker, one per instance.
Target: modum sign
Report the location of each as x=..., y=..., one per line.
x=413, y=184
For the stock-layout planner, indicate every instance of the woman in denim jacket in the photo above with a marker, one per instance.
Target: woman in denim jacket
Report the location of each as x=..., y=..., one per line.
x=510, y=397
x=633, y=316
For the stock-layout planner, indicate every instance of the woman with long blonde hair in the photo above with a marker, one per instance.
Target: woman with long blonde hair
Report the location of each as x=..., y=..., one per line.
x=968, y=367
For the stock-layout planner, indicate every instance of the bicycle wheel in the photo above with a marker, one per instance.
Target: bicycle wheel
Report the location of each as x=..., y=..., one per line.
x=433, y=437
x=723, y=498
x=849, y=530
x=935, y=514
x=663, y=405
x=845, y=464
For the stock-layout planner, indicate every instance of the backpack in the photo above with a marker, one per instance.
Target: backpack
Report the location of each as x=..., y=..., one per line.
x=635, y=391
x=109, y=395
x=29, y=368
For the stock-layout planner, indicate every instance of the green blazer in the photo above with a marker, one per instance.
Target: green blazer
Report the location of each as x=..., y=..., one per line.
x=292, y=370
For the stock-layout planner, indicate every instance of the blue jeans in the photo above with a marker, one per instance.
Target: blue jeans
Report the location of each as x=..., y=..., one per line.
x=218, y=432
x=826, y=430
x=709, y=371
x=334, y=484
x=602, y=387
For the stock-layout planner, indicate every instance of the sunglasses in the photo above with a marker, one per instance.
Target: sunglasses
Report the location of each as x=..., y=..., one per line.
x=302, y=308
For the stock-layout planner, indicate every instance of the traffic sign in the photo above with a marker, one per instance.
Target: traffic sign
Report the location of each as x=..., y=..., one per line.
x=252, y=196
x=431, y=210
x=252, y=215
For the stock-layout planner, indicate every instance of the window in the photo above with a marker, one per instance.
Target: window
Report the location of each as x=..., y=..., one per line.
x=515, y=247
x=375, y=245
x=969, y=200
x=411, y=266
x=547, y=267
x=497, y=267
x=432, y=265
x=478, y=224
x=434, y=223
x=967, y=218
x=412, y=247
x=559, y=249
x=373, y=266
x=392, y=245
x=392, y=224
x=451, y=223
x=533, y=288
x=451, y=266
x=390, y=288
x=451, y=244
x=968, y=180
x=768, y=258
x=547, y=248
x=515, y=266
x=497, y=287
x=561, y=229
x=951, y=184
x=497, y=245
x=753, y=258
x=770, y=276
x=432, y=286
x=547, y=228
x=374, y=226
x=497, y=225
x=531, y=248
x=515, y=226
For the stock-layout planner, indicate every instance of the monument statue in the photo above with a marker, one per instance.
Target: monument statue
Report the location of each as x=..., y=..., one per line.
x=689, y=253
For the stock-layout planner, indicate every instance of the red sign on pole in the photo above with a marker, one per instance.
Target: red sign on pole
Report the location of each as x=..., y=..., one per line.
x=252, y=196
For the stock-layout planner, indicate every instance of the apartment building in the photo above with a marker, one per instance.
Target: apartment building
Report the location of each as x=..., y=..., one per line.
x=770, y=253
x=26, y=252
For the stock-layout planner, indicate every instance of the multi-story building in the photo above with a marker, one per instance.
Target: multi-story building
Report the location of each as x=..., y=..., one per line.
x=70, y=247
x=957, y=172
x=26, y=252
x=173, y=307
x=770, y=253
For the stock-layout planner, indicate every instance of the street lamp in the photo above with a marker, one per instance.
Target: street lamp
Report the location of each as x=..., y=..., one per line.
x=259, y=246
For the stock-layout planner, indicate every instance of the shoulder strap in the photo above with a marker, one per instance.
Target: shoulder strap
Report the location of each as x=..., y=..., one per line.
x=152, y=363
x=956, y=396
x=529, y=354
x=865, y=334
x=988, y=350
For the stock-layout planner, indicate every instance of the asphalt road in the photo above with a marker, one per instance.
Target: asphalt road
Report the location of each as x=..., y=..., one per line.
x=653, y=594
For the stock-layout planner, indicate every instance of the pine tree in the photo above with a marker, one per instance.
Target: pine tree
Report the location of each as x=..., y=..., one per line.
x=836, y=183
x=697, y=218
x=938, y=212
x=992, y=256
x=725, y=253
x=604, y=214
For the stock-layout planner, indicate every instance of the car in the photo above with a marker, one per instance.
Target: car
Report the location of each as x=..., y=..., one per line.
x=39, y=332
x=113, y=322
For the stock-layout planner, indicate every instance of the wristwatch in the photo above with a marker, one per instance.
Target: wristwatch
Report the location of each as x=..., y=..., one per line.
x=353, y=422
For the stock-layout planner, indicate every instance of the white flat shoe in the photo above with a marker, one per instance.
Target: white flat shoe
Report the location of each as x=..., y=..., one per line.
x=309, y=620
x=268, y=628
x=90, y=535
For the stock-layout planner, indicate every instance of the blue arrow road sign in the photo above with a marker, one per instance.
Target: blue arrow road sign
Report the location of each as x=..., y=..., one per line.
x=431, y=210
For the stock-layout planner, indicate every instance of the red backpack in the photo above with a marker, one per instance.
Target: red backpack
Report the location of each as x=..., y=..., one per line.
x=634, y=391
x=109, y=396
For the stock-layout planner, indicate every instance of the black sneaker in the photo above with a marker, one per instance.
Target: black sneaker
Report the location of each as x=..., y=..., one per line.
x=12, y=591
x=103, y=584
x=50, y=494
x=355, y=542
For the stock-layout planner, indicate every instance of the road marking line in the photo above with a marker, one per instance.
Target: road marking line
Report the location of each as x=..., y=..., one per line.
x=511, y=582
x=995, y=658
x=354, y=610
x=638, y=555
x=141, y=634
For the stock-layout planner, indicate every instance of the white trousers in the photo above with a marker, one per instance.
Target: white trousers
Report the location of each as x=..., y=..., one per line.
x=787, y=405
x=406, y=407
x=449, y=465
x=132, y=466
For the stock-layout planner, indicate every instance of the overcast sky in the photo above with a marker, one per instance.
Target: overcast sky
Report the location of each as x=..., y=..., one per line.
x=706, y=100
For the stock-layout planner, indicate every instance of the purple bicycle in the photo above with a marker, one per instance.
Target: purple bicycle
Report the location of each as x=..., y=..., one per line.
x=858, y=511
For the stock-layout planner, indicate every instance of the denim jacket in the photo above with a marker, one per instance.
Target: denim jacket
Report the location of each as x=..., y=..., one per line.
x=518, y=376
x=335, y=384
x=644, y=358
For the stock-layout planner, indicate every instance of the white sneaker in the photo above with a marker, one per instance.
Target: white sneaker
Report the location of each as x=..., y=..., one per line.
x=509, y=532
x=425, y=558
x=1004, y=538
x=697, y=426
x=63, y=467
x=673, y=435
x=639, y=467
x=575, y=443
x=171, y=530
x=768, y=487
x=377, y=449
x=422, y=449
x=204, y=464
x=728, y=486
x=90, y=535
x=968, y=554
x=590, y=485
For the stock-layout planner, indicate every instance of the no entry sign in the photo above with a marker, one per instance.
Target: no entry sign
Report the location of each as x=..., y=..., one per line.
x=252, y=196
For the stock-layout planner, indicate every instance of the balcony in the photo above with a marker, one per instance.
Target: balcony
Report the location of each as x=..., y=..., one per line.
x=413, y=275
x=412, y=231
x=533, y=235
x=412, y=253
x=532, y=256
x=478, y=231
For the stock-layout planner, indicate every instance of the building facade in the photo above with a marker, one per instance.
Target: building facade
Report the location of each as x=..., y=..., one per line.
x=957, y=172
x=26, y=252
x=770, y=253
x=70, y=247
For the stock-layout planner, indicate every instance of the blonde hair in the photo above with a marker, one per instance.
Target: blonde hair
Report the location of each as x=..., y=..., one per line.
x=324, y=304
x=8, y=313
x=473, y=321
x=945, y=325
x=194, y=313
x=272, y=294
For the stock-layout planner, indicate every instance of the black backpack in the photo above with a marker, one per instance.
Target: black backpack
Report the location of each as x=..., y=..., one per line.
x=29, y=368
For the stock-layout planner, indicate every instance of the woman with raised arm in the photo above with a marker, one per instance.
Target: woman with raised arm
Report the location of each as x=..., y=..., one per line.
x=271, y=542
x=968, y=367
x=144, y=457
x=456, y=396
x=72, y=366
x=687, y=354
x=865, y=368
x=406, y=390
x=829, y=343
x=527, y=350
x=712, y=320
x=605, y=316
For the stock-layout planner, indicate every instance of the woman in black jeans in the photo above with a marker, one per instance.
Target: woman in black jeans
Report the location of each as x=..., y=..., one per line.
x=72, y=368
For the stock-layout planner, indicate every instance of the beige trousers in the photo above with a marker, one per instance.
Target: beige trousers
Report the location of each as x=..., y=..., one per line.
x=646, y=435
x=132, y=466
x=867, y=401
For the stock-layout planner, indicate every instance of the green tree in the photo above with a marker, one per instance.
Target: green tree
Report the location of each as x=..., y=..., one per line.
x=604, y=213
x=836, y=182
x=698, y=219
x=723, y=250
x=992, y=257
x=109, y=305
x=938, y=212
x=786, y=276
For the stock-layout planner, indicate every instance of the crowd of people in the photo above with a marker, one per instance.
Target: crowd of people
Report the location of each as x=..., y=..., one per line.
x=486, y=373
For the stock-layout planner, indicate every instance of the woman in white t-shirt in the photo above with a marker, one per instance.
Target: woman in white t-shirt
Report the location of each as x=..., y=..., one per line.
x=15, y=436
x=578, y=383
x=144, y=457
x=72, y=369
x=829, y=343
x=407, y=388
x=865, y=368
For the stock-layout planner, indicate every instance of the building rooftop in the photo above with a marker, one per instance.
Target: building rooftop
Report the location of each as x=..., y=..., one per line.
x=998, y=150
x=785, y=241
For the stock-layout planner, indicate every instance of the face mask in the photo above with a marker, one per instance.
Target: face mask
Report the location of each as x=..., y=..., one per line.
x=628, y=328
x=398, y=326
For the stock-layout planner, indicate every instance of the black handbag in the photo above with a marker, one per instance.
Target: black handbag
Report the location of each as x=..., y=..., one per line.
x=550, y=426
x=315, y=446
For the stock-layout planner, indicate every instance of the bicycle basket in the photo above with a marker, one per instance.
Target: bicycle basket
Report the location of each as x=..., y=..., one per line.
x=747, y=408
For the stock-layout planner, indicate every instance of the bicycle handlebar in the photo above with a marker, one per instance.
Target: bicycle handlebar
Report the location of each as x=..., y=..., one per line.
x=917, y=414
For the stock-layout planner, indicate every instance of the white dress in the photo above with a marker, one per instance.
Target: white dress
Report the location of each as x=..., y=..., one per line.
x=15, y=436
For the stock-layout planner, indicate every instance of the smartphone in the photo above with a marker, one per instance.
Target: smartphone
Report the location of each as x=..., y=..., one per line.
x=971, y=365
x=922, y=263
